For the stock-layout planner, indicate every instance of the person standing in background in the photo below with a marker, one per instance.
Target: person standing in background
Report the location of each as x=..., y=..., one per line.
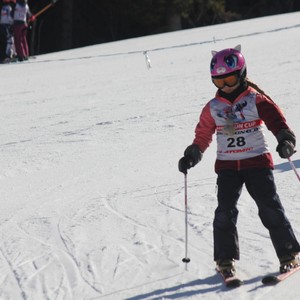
x=22, y=15
x=7, y=48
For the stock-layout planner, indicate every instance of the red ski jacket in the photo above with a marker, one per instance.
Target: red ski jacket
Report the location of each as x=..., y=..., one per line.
x=239, y=128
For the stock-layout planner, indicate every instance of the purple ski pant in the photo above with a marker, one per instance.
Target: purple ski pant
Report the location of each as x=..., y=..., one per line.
x=20, y=34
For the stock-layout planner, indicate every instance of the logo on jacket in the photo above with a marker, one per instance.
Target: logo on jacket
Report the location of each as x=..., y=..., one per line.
x=232, y=114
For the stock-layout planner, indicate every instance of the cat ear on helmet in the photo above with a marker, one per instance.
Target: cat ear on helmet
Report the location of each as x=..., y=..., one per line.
x=238, y=48
x=213, y=52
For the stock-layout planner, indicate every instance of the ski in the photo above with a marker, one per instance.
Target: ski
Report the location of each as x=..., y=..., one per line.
x=231, y=281
x=274, y=279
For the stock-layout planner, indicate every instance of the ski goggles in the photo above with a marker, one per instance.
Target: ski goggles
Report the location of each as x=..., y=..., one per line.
x=229, y=81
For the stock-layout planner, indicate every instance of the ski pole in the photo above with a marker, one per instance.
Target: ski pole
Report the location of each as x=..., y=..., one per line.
x=186, y=260
x=294, y=168
x=45, y=8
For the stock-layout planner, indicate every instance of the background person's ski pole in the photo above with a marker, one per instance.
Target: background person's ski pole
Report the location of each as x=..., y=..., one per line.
x=45, y=8
x=186, y=260
x=294, y=168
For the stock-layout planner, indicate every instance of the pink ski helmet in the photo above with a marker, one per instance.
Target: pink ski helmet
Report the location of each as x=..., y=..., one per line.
x=228, y=61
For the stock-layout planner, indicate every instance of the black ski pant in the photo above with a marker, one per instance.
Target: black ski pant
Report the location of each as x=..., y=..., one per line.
x=3, y=42
x=261, y=186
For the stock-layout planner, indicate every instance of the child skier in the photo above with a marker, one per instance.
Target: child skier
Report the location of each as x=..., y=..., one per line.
x=237, y=114
x=21, y=15
x=7, y=50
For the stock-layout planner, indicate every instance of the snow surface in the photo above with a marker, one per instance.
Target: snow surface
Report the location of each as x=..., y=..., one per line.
x=92, y=203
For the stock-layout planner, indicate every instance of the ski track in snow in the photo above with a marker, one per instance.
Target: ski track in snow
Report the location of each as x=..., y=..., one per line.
x=17, y=287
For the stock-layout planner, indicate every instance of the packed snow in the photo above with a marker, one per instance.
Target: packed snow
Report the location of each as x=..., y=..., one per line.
x=92, y=203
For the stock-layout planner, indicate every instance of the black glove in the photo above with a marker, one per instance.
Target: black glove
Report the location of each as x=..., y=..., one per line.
x=192, y=155
x=285, y=149
x=184, y=164
x=286, y=143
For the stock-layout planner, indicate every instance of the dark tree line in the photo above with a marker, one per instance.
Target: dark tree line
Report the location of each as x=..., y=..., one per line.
x=76, y=23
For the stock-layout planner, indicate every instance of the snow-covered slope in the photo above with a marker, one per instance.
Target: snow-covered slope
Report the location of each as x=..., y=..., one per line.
x=92, y=203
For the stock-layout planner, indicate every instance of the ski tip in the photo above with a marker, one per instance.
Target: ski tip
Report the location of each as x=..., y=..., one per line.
x=270, y=280
x=234, y=283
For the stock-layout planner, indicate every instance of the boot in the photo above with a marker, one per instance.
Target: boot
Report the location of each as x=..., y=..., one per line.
x=288, y=262
x=226, y=267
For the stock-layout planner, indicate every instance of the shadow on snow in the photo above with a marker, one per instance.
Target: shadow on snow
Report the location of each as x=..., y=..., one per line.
x=286, y=166
x=181, y=290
